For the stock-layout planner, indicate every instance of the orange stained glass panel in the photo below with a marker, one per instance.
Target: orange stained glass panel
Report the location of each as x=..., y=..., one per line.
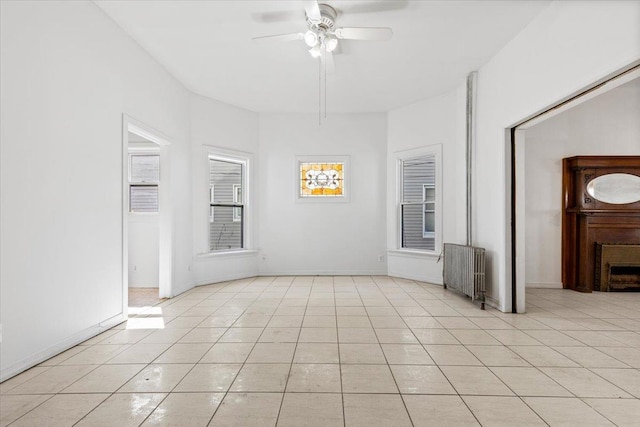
x=321, y=179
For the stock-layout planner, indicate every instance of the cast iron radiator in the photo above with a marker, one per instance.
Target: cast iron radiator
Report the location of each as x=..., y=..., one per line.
x=464, y=271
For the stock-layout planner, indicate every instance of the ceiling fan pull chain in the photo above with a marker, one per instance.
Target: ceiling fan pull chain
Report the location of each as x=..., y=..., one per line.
x=325, y=81
x=319, y=93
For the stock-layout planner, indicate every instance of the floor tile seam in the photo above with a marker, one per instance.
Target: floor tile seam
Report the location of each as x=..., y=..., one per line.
x=193, y=367
x=461, y=397
x=609, y=381
x=29, y=379
x=627, y=366
x=344, y=415
x=525, y=331
x=252, y=349
x=395, y=381
x=94, y=408
x=403, y=321
x=532, y=409
x=95, y=366
x=454, y=393
x=622, y=342
x=168, y=393
x=448, y=381
x=537, y=368
x=51, y=396
x=495, y=376
x=602, y=414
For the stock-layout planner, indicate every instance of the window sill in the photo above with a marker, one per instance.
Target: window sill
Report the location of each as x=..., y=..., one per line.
x=224, y=254
x=409, y=253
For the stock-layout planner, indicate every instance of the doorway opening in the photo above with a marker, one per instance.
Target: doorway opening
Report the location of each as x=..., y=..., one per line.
x=597, y=121
x=146, y=236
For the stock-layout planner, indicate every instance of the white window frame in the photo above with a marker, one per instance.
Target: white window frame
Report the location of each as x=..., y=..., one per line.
x=237, y=199
x=138, y=151
x=425, y=187
x=212, y=195
x=400, y=158
x=246, y=160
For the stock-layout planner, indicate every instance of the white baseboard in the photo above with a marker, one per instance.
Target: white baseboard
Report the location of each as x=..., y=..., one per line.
x=543, y=285
x=324, y=273
x=226, y=277
x=49, y=352
x=179, y=290
x=143, y=286
x=492, y=302
x=436, y=280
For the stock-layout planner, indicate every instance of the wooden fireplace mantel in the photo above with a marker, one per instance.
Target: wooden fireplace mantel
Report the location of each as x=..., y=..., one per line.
x=587, y=221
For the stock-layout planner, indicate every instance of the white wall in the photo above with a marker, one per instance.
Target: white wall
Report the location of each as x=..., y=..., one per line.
x=215, y=124
x=68, y=73
x=438, y=120
x=567, y=47
x=144, y=247
x=606, y=125
x=322, y=237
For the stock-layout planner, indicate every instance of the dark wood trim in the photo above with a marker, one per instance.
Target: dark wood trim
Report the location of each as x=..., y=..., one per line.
x=587, y=221
x=602, y=162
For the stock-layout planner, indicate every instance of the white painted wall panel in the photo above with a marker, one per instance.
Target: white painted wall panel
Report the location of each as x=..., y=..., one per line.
x=567, y=47
x=322, y=237
x=439, y=120
x=144, y=247
x=215, y=124
x=68, y=73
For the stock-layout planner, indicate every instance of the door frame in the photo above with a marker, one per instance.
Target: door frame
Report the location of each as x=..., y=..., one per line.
x=165, y=288
x=516, y=179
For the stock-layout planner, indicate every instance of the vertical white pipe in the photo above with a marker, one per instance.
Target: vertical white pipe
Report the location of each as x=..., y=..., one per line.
x=470, y=136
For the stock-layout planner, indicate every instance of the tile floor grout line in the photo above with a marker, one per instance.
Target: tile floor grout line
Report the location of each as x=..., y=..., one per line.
x=335, y=305
x=293, y=356
x=451, y=384
x=242, y=365
x=118, y=388
x=406, y=299
x=395, y=381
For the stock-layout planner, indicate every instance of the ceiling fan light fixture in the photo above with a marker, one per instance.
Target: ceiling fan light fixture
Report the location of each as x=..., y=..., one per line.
x=315, y=52
x=310, y=38
x=330, y=43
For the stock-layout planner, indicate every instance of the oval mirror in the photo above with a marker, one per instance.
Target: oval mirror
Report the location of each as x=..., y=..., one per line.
x=615, y=188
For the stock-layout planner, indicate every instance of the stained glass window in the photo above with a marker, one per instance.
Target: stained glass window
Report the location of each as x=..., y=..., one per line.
x=321, y=179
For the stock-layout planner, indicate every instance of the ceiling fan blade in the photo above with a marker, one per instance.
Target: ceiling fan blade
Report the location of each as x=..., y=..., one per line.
x=372, y=6
x=327, y=61
x=355, y=33
x=279, y=16
x=313, y=10
x=279, y=38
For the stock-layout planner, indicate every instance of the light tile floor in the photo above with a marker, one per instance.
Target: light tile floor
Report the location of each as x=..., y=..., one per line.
x=336, y=351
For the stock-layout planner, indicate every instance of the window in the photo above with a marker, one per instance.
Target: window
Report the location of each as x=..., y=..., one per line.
x=237, y=199
x=212, y=192
x=419, y=201
x=144, y=178
x=226, y=204
x=321, y=179
x=429, y=214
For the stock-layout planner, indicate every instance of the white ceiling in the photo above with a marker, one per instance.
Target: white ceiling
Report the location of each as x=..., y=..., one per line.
x=208, y=46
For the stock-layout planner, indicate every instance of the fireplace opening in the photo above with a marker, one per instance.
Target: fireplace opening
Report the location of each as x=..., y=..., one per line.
x=624, y=275
x=617, y=267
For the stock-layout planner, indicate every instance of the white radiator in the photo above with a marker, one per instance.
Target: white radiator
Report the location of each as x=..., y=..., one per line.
x=464, y=271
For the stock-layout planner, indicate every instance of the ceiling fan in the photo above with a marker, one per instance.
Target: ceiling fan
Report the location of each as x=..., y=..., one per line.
x=322, y=35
